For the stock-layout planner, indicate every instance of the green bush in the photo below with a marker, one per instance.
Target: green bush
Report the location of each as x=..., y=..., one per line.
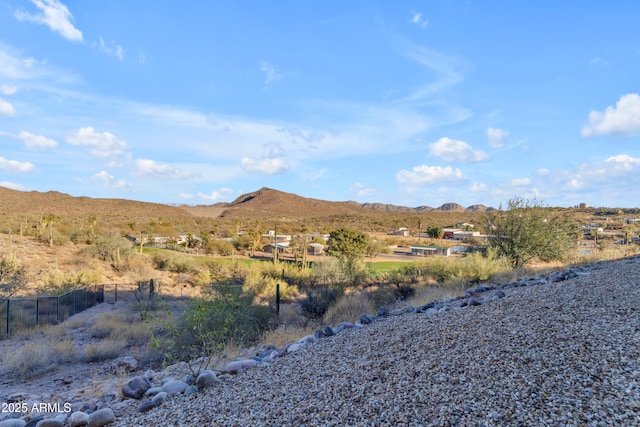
x=317, y=302
x=224, y=315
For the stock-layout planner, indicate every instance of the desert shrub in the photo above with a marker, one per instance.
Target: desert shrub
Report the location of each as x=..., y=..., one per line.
x=58, y=282
x=316, y=303
x=110, y=248
x=403, y=292
x=127, y=329
x=348, y=308
x=326, y=272
x=12, y=275
x=160, y=261
x=103, y=350
x=224, y=315
x=28, y=361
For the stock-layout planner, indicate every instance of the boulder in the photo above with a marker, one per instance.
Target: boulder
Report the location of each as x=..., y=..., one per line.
x=126, y=364
x=160, y=398
x=13, y=423
x=136, y=387
x=309, y=339
x=175, y=387
x=51, y=422
x=101, y=417
x=147, y=405
x=206, y=379
x=78, y=419
x=238, y=365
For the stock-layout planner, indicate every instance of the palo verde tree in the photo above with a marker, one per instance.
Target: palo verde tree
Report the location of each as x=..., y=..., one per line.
x=527, y=230
x=349, y=246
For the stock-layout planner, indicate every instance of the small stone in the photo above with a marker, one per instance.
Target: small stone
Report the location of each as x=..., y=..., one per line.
x=382, y=311
x=13, y=423
x=153, y=391
x=294, y=347
x=328, y=331
x=191, y=390
x=473, y=301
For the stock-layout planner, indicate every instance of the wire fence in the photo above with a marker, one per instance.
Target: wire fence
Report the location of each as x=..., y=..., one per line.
x=24, y=313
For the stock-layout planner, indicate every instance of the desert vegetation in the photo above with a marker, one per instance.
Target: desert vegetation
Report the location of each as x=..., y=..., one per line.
x=217, y=293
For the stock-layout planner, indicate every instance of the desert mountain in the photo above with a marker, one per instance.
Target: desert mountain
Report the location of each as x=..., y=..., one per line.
x=34, y=203
x=263, y=203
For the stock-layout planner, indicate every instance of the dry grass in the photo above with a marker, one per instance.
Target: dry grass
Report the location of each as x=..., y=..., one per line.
x=348, y=308
x=103, y=350
x=286, y=334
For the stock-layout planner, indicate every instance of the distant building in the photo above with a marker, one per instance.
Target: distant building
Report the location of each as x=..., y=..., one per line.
x=583, y=205
x=421, y=250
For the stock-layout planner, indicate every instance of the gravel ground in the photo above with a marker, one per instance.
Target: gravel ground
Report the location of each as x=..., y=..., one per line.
x=565, y=353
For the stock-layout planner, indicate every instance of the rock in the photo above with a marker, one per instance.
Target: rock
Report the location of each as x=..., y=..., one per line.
x=150, y=374
x=34, y=421
x=206, y=379
x=474, y=301
x=498, y=295
x=101, y=417
x=409, y=309
x=382, y=311
x=344, y=325
x=147, y=405
x=78, y=419
x=126, y=364
x=160, y=398
x=320, y=334
x=191, y=390
x=175, y=387
x=309, y=339
x=294, y=347
x=153, y=391
x=367, y=318
x=425, y=307
x=136, y=387
x=396, y=312
x=13, y=423
x=328, y=331
x=51, y=422
x=238, y=365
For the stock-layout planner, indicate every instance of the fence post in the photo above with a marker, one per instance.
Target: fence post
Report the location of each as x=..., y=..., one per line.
x=277, y=299
x=37, y=311
x=116, y=292
x=58, y=309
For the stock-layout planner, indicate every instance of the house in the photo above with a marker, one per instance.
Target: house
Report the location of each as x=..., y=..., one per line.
x=464, y=235
x=282, y=247
x=315, y=249
x=422, y=250
x=402, y=231
x=448, y=232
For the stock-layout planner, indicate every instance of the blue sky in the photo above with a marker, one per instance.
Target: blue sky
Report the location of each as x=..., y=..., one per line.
x=407, y=102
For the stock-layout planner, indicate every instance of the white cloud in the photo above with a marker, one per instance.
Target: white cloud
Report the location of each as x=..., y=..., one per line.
x=430, y=174
x=362, y=190
x=12, y=185
x=270, y=163
x=543, y=172
x=8, y=89
x=496, y=137
x=54, y=15
x=36, y=142
x=103, y=144
x=16, y=166
x=270, y=73
x=185, y=196
x=164, y=170
x=520, y=182
x=111, y=49
x=6, y=109
x=479, y=187
x=110, y=181
x=624, y=119
x=419, y=20
x=452, y=151
x=264, y=166
x=216, y=194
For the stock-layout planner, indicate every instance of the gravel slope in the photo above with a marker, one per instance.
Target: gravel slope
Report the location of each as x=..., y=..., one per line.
x=564, y=353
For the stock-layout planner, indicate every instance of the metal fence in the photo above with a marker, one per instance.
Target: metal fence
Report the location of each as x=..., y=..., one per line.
x=24, y=313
